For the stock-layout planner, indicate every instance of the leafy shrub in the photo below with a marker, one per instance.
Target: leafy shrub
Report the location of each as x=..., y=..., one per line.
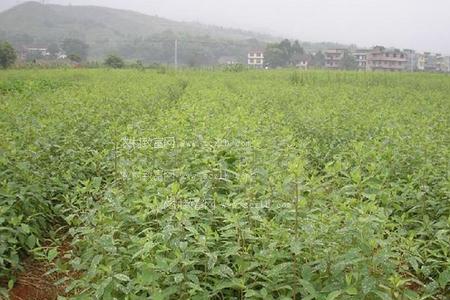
x=115, y=62
x=234, y=68
x=160, y=69
x=9, y=86
x=229, y=186
x=295, y=78
x=8, y=55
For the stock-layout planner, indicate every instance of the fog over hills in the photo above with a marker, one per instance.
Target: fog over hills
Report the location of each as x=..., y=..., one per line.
x=91, y=22
x=108, y=30
x=127, y=33
x=411, y=24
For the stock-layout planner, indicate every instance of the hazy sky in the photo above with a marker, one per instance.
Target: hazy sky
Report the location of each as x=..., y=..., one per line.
x=419, y=24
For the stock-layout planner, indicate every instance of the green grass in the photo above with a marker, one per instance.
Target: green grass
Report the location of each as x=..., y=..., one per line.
x=267, y=185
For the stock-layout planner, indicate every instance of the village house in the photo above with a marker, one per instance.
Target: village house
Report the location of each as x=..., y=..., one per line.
x=382, y=59
x=255, y=59
x=33, y=52
x=446, y=64
x=360, y=56
x=303, y=65
x=333, y=58
x=436, y=62
x=430, y=62
x=441, y=63
x=411, y=57
x=40, y=51
x=227, y=60
x=420, y=62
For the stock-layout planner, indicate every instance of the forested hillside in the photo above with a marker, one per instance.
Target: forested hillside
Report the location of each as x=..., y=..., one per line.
x=130, y=34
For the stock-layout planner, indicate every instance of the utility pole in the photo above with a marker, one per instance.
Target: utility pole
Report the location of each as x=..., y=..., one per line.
x=176, y=54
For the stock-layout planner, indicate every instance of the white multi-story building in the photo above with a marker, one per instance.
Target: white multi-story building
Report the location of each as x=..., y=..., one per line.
x=360, y=56
x=411, y=57
x=256, y=59
x=420, y=65
x=446, y=64
x=303, y=64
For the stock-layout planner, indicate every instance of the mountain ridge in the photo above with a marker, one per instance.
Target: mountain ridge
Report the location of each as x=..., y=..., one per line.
x=131, y=34
x=141, y=24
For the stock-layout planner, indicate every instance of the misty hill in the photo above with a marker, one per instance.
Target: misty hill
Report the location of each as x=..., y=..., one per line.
x=132, y=35
x=94, y=23
x=109, y=30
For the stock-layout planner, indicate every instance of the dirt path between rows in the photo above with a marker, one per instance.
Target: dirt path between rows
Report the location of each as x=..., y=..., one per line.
x=37, y=282
x=34, y=284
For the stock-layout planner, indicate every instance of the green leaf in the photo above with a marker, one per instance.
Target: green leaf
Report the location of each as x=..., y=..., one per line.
x=383, y=296
x=11, y=283
x=94, y=263
x=147, y=277
x=308, y=287
x=444, y=278
x=307, y=272
x=96, y=182
x=351, y=291
x=333, y=295
x=31, y=241
x=122, y=277
x=101, y=289
x=296, y=247
x=52, y=254
x=227, y=284
x=212, y=259
x=224, y=271
x=25, y=228
x=178, y=278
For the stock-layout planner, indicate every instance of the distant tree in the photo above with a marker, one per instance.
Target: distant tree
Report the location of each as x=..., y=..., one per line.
x=139, y=65
x=198, y=51
x=53, y=49
x=274, y=56
x=348, y=62
x=297, y=53
x=74, y=58
x=20, y=40
x=286, y=47
x=75, y=47
x=33, y=56
x=194, y=60
x=318, y=60
x=296, y=48
x=284, y=54
x=196, y=57
x=115, y=62
x=8, y=55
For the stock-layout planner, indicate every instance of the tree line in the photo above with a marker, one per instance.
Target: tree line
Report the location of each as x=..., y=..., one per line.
x=159, y=49
x=291, y=54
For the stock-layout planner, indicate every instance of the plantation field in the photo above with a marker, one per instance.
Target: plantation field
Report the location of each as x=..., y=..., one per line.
x=226, y=185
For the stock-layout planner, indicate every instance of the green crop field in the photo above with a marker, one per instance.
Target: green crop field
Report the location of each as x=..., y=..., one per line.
x=318, y=185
